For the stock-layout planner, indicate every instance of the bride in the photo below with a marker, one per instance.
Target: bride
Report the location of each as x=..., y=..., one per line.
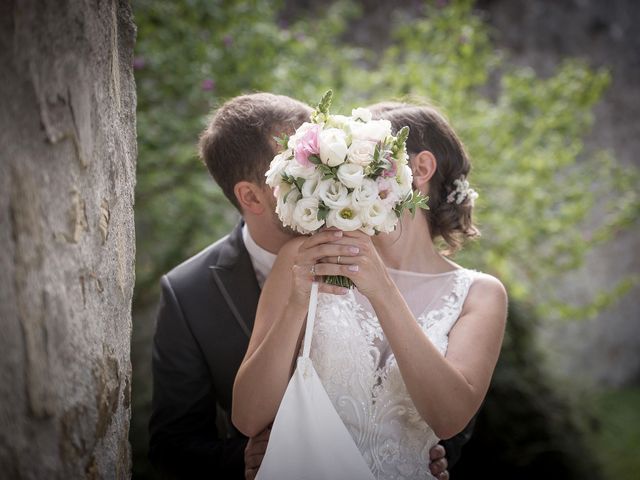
x=406, y=358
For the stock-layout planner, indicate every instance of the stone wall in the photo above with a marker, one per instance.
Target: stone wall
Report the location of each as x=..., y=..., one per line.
x=67, y=176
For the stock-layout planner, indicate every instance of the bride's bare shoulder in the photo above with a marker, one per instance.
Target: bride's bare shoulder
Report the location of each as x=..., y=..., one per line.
x=487, y=293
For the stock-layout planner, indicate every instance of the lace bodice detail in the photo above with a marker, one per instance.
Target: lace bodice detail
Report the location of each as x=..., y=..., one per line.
x=361, y=376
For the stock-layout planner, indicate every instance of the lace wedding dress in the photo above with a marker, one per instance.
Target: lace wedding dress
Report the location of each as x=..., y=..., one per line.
x=354, y=363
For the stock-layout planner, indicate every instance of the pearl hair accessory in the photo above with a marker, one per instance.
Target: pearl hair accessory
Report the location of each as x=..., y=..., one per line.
x=461, y=192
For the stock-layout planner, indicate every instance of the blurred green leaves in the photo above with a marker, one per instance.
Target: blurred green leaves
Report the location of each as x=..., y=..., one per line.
x=544, y=201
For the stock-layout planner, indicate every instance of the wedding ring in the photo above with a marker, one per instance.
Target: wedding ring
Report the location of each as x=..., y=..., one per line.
x=313, y=269
x=339, y=258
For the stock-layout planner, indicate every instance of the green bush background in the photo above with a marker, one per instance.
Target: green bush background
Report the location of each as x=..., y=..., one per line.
x=538, y=186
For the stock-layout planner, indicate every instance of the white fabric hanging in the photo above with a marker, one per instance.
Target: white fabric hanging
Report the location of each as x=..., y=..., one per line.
x=308, y=439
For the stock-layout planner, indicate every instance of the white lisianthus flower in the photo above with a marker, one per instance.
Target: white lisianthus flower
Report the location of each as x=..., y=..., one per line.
x=366, y=194
x=375, y=214
x=333, y=146
x=333, y=194
x=310, y=186
x=388, y=190
x=296, y=170
x=285, y=209
x=368, y=229
x=350, y=174
x=305, y=215
x=361, y=152
x=276, y=168
x=375, y=130
x=346, y=218
x=389, y=223
x=405, y=180
x=363, y=114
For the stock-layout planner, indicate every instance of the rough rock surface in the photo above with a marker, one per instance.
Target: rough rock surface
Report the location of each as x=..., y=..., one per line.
x=67, y=176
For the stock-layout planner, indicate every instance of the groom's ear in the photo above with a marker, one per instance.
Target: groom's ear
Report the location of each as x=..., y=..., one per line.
x=424, y=166
x=249, y=197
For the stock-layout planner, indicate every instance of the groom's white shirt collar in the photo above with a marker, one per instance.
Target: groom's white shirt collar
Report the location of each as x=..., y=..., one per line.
x=261, y=259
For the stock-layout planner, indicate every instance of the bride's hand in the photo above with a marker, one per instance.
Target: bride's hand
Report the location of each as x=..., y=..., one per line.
x=366, y=269
x=306, y=255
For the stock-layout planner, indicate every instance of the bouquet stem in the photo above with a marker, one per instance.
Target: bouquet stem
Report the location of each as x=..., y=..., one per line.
x=339, y=280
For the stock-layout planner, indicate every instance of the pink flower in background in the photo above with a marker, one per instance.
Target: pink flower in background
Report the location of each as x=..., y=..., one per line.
x=138, y=63
x=227, y=40
x=307, y=145
x=208, y=85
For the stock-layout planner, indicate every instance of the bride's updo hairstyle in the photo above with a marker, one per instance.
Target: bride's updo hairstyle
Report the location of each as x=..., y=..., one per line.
x=449, y=214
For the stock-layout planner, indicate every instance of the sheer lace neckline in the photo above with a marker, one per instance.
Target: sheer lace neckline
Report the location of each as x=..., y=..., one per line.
x=424, y=274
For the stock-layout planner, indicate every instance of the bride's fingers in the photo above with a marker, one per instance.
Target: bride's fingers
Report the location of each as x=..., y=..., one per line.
x=312, y=255
x=324, y=269
x=356, y=234
x=324, y=236
x=340, y=259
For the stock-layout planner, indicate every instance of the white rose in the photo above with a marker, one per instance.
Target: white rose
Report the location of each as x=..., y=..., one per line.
x=361, y=152
x=333, y=194
x=305, y=215
x=363, y=114
x=405, y=180
x=346, y=218
x=375, y=214
x=351, y=175
x=285, y=209
x=337, y=121
x=375, y=130
x=333, y=146
x=366, y=194
x=296, y=170
x=310, y=186
x=274, y=174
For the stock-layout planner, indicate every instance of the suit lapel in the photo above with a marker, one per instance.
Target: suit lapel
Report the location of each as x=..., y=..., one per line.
x=236, y=280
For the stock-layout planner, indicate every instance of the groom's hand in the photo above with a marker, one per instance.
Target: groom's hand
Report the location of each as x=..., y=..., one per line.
x=439, y=464
x=254, y=453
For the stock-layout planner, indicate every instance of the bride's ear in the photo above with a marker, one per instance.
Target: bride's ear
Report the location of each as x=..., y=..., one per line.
x=250, y=197
x=423, y=165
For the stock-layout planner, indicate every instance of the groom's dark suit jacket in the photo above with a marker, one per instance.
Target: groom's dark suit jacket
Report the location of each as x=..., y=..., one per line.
x=203, y=327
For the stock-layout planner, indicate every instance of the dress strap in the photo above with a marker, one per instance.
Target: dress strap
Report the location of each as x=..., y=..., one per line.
x=311, y=318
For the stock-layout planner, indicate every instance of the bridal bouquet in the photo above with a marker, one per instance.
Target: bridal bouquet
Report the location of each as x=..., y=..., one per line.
x=347, y=172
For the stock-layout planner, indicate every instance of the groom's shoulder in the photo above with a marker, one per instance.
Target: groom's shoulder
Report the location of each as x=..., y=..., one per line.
x=196, y=268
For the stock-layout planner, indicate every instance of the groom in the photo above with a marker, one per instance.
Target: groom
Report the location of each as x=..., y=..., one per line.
x=209, y=303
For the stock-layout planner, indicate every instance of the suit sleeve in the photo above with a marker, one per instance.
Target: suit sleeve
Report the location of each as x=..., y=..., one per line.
x=453, y=446
x=184, y=440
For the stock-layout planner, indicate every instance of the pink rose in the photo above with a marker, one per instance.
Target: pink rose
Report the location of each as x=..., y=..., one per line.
x=307, y=145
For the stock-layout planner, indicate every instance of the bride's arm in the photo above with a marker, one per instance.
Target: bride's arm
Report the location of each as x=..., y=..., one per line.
x=447, y=391
x=268, y=363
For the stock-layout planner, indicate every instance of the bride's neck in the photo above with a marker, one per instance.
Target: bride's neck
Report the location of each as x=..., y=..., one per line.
x=410, y=247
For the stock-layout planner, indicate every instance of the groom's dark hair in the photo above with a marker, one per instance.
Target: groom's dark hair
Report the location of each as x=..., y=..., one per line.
x=238, y=142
